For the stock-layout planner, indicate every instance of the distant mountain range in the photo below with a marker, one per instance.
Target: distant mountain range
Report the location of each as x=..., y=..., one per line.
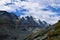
x=14, y=28
x=31, y=23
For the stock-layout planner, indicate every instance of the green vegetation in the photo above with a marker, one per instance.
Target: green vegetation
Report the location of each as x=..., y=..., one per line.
x=54, y=34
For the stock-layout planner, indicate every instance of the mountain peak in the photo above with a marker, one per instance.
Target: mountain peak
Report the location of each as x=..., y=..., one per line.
x=29, y=22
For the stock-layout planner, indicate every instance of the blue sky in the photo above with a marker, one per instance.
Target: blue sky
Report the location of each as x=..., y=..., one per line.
x=45, y=10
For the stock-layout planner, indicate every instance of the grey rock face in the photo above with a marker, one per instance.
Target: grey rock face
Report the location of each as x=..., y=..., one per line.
x=7, y=26
x=11, y=28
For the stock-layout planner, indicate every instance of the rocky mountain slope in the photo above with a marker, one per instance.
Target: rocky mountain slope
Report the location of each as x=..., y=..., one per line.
x=51, y=33
x=8, y=25
x=54, y=33
x=14, y=28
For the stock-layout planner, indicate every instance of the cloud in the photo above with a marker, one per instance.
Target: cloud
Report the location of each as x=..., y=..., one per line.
x=45, y=10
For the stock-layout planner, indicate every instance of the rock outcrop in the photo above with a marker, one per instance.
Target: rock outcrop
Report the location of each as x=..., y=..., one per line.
x=8, y=25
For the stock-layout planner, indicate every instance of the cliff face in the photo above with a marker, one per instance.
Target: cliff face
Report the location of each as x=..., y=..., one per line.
x=8, y=25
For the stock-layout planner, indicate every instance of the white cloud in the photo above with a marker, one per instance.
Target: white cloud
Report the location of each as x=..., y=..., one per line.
x=34, y=7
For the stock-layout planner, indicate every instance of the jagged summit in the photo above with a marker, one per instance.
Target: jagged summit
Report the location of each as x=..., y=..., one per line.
x=31, y=19
x=30, y=23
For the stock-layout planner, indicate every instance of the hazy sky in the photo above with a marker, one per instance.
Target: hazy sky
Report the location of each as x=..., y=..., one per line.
x=47, y=10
